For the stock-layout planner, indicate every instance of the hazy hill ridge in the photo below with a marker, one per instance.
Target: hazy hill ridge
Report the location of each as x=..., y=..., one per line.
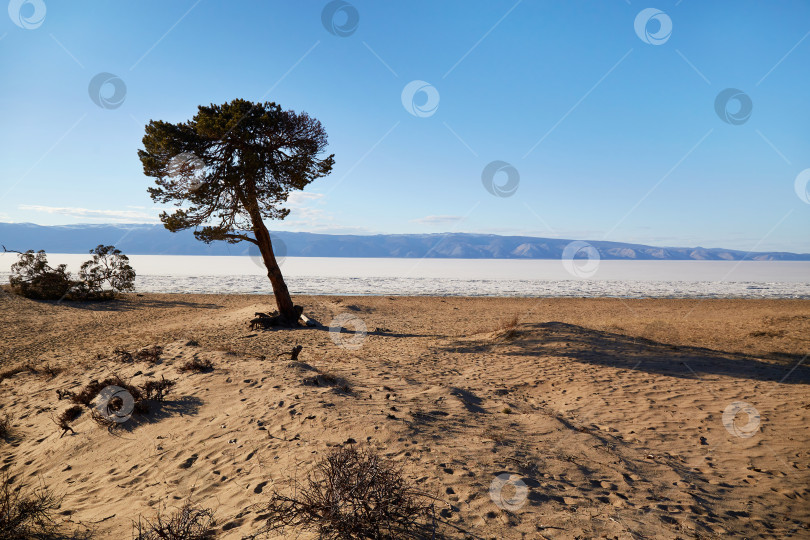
x=155, y=240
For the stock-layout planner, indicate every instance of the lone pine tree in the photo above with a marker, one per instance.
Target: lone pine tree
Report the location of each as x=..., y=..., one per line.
x=231, y=167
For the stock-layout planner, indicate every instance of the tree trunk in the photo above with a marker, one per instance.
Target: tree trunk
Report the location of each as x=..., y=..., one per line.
x=283, y=300
x=285, y=304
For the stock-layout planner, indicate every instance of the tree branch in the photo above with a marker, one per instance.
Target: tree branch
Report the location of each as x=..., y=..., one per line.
x=242, y=237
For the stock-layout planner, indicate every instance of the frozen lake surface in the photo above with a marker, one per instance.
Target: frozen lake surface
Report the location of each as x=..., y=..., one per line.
x=461, y=277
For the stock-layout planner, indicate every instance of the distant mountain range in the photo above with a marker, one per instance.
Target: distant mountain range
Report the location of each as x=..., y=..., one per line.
x=155, y=240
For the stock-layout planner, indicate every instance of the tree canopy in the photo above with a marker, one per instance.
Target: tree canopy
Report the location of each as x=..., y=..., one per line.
x=231, y=167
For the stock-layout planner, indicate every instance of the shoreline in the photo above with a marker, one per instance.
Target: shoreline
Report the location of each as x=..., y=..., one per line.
x=636, y=317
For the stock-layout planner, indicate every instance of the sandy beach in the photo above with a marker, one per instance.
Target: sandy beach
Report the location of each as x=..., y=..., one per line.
x=610, y=418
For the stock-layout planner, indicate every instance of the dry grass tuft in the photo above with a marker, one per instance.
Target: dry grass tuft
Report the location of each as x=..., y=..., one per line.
x=149, y=354
x=505, y=329
x=122, y=355
x=508, y=329
x=198, y=366
x=188, y=523
x=352, y=494
x=47, y=369
x=29, y=514
x=32, y=368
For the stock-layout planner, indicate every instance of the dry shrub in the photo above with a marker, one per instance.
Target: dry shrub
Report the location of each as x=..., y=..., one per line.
x=188, y=523
x=68, y=416
x=198, y=366
x=147, y=354
x=29, y=514
x=152, y=389
x=32, y=368
x=122, y=355
x=87, y=394
x=103, y=421
x=352, y=494
x=157, y=390
x=46, y=369
x=150, y=354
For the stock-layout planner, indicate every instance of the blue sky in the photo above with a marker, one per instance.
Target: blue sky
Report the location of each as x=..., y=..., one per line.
x=613, y=134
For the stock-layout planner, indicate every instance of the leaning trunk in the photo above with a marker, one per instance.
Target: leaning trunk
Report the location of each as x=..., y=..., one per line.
x=283, y=300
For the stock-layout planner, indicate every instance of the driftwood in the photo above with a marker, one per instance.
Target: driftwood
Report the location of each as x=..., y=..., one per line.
x=308, y=321
x=263, y=320
x=293, y=353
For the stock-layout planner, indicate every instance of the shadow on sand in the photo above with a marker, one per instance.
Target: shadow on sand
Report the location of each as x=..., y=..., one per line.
x=127, y=304
x=621, y=351
x=161, y=410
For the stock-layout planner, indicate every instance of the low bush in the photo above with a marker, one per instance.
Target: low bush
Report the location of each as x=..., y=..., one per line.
x=87, y=394
x=352, y=494
x=100, y=278
x=152, y=389
x=188, y=523
x=30, y=514
x=157, y=390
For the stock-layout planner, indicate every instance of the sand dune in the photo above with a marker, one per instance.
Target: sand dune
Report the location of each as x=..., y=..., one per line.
x=604, y=416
